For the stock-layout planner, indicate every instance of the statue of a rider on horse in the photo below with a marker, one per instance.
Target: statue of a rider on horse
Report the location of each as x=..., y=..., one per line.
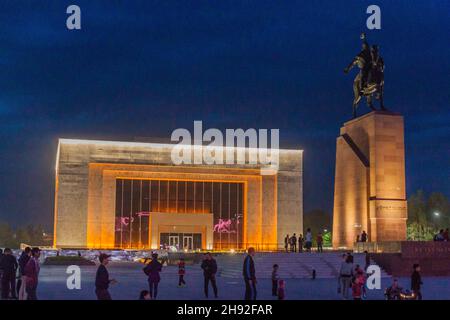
x=370, y=80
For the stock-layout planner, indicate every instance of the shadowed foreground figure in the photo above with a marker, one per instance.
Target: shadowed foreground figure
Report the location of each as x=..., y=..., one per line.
x=416, y=282
x=250, y=275
x=23, y=260
x=9, y=266
x=152, y=270
x=209, y=267
x=102, y=280
x=31, y=272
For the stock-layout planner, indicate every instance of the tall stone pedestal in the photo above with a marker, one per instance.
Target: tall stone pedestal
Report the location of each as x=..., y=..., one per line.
x=369, y=189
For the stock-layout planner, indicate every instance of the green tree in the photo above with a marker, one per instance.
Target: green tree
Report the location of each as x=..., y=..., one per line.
x=427, y=215
x=417, y=232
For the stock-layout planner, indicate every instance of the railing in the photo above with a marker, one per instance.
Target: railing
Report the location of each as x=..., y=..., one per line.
x=378, y=247
x=265, y=247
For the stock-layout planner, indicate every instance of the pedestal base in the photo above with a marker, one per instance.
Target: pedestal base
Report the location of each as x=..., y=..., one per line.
x=370, y=180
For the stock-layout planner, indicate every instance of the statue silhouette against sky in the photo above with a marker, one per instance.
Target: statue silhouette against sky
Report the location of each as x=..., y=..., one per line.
x=370, y=79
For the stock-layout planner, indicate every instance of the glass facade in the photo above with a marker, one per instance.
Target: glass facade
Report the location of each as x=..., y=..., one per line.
x=137, y=199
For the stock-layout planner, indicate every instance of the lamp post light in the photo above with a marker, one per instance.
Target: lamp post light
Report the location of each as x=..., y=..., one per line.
x=436, y=215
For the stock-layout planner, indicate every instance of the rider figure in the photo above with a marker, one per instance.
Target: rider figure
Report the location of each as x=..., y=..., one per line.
x=364, y=62
x=366, y=56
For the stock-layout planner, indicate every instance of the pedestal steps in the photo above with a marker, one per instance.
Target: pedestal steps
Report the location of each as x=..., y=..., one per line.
x=291, y=265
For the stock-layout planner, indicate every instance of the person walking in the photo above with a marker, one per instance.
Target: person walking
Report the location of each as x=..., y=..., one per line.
x=32, y=269
x=287, y=241
x=319, y=242
x=294, y=243
x=209, y=266
x=23, y=260
x=308, y=240
x=9, y=266
x=102, y=280
x=275, y=278
x=339, y=289
x=346, y=274
x=181, y=272
x=152, y=270
x=250, y=275
x=416, y=282
x=300, y=243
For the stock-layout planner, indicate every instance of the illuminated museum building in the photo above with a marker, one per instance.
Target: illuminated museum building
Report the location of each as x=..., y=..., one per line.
x=130, y=195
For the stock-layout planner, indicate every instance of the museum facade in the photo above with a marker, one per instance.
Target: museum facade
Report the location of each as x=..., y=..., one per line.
x=130, y=195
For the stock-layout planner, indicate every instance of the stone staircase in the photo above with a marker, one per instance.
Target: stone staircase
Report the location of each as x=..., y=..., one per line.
x=291, y=265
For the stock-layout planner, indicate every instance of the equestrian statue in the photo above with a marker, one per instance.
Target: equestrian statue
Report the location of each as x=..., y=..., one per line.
x=369, y=82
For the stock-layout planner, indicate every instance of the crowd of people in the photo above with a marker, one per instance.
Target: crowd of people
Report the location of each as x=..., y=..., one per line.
x=27, y=267
x=304, y=243
x=352, y=278
x=209, y=266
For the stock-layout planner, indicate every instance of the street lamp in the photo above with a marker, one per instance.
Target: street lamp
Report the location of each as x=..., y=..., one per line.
x=436, y=214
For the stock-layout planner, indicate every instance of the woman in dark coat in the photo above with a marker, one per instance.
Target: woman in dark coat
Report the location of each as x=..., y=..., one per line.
x=152, y=270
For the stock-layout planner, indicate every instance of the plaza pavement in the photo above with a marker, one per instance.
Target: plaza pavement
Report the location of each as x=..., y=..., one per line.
x=132, y=279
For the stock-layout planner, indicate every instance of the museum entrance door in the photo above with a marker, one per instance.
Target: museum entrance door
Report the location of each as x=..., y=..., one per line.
x=188, y=242
x=181, y=241
x=174, y=241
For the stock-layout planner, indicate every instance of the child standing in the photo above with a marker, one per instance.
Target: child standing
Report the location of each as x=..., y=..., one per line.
x=358, y=285
x=275, y=278
x=281, y=289
x=181, y=272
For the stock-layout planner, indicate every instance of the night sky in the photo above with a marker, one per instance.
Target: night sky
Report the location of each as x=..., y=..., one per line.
x=145, y=68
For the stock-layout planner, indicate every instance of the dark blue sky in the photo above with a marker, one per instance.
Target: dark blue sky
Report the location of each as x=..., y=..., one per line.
x=145, y=68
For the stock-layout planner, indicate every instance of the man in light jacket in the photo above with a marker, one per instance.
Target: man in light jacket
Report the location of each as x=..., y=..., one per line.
x=346, y=274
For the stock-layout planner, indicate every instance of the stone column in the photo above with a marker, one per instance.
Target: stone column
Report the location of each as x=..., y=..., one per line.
x=369, y=190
